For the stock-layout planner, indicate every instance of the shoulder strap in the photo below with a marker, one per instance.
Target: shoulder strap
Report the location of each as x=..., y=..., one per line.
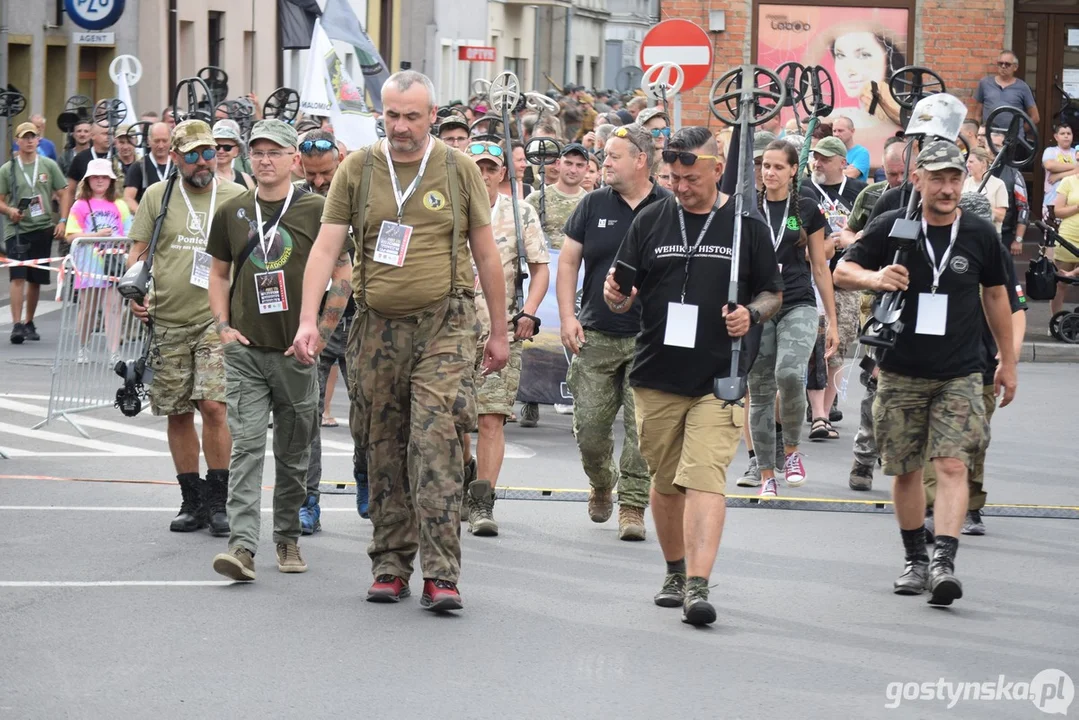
x=361, y=209
x=455, y=197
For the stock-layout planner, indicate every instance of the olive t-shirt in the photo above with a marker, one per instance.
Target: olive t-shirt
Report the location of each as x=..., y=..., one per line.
x=424, y=277
x=234, y=227
x=174, y=299
x=47, y=180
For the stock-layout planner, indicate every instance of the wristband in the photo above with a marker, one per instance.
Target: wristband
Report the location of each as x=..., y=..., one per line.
x=63, y=220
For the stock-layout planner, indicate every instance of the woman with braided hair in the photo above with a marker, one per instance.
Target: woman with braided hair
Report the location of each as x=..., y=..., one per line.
x=796, y=226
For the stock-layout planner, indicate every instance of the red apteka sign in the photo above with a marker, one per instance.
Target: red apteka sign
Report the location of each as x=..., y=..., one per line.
x=476, y=53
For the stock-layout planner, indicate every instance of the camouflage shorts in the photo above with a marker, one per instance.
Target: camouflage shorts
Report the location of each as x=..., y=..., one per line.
x=918, y=419
x=188, y=366
x=847, y=310
x=496, y=393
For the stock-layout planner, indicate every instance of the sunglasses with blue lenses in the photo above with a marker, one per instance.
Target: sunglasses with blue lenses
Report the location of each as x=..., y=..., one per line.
x=309, y=146
x=657, y=132
x=481, y=149
x=207, y=154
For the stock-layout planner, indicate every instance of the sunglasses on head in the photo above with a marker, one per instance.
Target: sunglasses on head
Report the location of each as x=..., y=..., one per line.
x=309, y=146
x=193, y=157
x=480, y=149
x=686, y=158
x=660, y=132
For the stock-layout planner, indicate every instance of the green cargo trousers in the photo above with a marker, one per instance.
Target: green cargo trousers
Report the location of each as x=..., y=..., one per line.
x=258, y=381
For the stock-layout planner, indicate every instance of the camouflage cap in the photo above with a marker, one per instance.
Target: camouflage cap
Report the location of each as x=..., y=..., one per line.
x=650, y=113
x=762, y=140
x=483, y=150
x=831, y=147
x=942, y=155
x=191, y=134
x=276, y=131
x=453, y=120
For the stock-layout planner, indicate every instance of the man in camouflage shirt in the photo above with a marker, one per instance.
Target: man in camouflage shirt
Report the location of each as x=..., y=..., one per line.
x=562, y=196
x=496, y=392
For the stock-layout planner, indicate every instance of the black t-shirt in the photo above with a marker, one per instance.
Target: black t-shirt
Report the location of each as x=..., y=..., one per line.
x=600, y=223
x=654, y=246
x=77, y=171
x=976, y=260
x=142, y=171
x=797, y=276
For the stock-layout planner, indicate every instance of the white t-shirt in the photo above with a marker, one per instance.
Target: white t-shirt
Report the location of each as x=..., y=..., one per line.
x=1064, y=156
x=995, y=190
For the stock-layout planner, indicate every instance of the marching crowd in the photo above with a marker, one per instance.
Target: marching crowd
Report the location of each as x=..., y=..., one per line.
x=282, y=258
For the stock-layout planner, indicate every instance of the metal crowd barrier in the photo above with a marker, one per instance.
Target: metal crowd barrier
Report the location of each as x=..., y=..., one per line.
x=97, y=329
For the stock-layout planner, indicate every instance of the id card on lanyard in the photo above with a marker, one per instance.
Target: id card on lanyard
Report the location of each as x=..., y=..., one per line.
x=37, y=206
x=933, y=308
x=777, y=237
x=391, y=247
x=200, y=262
x=681, y=328
x=834, y=211
x=270, y=285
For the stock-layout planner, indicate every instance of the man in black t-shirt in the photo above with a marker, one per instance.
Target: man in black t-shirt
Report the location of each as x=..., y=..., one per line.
x=154, y=167
x=601, y=341
x=929, y=394
x=682, y=251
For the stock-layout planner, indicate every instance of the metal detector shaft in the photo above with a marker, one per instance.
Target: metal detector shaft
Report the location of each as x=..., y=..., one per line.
x=507, y=163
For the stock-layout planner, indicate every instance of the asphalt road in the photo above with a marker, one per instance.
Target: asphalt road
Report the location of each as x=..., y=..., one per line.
x=558, y=619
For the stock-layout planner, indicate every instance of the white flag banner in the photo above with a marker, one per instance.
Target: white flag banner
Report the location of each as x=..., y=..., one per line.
x=329, y=91
x=126, y=70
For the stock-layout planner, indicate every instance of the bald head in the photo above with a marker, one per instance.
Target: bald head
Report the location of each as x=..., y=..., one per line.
x=159, y=142
x=894, y=164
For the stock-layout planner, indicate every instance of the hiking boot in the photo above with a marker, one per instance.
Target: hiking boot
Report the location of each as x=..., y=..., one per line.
x=600, y=505
x=238, y=564
x=696, y=610
x=835, y=414
x=363, y=496
x=470, y=477
x=289, y=559
x=440, y=595
x=388, y=589
x=944, y=586
x=215, y=494
x=673, y=592
x=480, y=499
x=630, y=523
x=189, y=519
x=912, y=581
x=769, y=488
x=30, y=331
x=18, y=333
x=310, y=513
x=752, y=476
x=973, y=525
x=861, y=477
x=529, y=415
x=794, y=470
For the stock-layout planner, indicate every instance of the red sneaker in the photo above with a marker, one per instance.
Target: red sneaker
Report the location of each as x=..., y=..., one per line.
x=388, y=589
x=440, y=595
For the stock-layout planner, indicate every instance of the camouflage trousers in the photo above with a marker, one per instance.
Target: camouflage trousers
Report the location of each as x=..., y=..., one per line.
x=976, y=478
x=332, y=354
x=865, y=444
x=848, y=305
x=781, y=365
x=599, y=379
x=407, y=374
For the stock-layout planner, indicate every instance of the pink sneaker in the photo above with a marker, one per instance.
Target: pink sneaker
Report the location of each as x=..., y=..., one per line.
x=796, y=471
x=769, y=488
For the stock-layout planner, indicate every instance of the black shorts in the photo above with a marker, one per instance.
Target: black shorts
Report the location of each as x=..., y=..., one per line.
x=32, y=245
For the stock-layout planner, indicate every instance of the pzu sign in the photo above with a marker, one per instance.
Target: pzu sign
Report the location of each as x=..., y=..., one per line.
x=94, y=14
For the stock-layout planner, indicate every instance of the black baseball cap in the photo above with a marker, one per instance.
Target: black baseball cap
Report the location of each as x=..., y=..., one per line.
x=575, y=148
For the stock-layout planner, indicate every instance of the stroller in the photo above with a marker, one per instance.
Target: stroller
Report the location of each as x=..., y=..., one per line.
x=1042, y=280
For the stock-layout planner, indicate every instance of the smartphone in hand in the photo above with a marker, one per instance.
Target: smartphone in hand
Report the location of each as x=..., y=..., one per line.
x=624, y=277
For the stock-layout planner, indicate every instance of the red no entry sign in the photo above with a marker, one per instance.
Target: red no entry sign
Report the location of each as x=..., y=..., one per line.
x=682, y=43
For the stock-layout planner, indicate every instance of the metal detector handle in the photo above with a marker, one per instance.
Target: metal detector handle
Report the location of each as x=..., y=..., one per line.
x=504, y=93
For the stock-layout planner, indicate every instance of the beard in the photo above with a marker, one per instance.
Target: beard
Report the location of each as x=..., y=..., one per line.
x=199, y=177
x=409, y=145
x=820, y=178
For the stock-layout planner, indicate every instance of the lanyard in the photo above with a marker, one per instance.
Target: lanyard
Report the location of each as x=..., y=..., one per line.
x=168, y=165
x=402, y=197
x=685, y=240
x=266, y=239
x=938, y=270
x=778, y=238
x=209, y=215
x=833, y=205
x=31, y=179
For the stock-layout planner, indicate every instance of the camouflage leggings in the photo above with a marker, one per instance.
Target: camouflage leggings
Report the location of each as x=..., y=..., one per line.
x=781, y=365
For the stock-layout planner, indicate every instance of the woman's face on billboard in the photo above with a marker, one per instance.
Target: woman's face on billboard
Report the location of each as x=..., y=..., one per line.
x=859, y=60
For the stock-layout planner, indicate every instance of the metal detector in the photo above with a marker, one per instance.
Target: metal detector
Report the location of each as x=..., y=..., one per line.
x=110, y=114
x=200, y=105
x=661, y=81
x=543, y=151
x=909, y=85
x=818, y=101
x=751, y=95
x=217, y=81
x=283, y=104
x=1021, y=134
x=540, y=104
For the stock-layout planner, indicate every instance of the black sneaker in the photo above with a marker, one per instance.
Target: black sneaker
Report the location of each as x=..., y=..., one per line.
x=696, y=610
x=861, y=477
x=913, y=579
x=835, y=415
x=529, y=415
x=30, y=331
x=930, y=527
x=18, y=333
x=973, y=525
x=944, y=586
x=673, y=592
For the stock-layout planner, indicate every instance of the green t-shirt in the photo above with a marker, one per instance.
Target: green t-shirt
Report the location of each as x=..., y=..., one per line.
x=235, y=226
x=48, y=180
x=174, y=299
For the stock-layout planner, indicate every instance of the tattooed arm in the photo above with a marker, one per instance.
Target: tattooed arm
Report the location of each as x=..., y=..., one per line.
x=767, y=304
x=336, y=299
x=220, y=279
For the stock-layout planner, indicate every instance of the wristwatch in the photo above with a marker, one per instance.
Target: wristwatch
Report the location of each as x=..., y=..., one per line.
x=754, y=316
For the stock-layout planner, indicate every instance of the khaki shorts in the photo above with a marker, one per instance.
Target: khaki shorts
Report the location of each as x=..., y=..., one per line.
x=688, y=442
x=496, y=393
x=847, y=310
x=917, y=419
x=188, y=365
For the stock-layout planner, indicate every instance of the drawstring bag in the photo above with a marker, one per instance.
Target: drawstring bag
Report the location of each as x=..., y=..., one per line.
x=1041, y=278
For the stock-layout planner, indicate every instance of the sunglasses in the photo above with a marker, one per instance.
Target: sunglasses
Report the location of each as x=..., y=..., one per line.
x=686, y=158
x=1006, y=64
x=193, y=157
x=479, y=149
x=309, y=146
x=226, y=148
x=660, y=132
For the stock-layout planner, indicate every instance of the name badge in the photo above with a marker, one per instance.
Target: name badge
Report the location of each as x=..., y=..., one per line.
x=37, y=208
x=392, y=244
x=932, y=314
x=681, y=325
x=200, y=269
x=270, y=287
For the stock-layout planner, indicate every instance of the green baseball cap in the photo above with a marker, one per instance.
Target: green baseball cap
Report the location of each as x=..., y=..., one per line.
x=831, y=147
x=942, y=155
x=453, y=120
x=762, y=140
x=276, y=131
x=191, y=134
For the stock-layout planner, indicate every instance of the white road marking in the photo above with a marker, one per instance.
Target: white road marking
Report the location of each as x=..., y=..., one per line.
x=87, y=421
x=44, y=307
x=113, y=583
x=99, y=445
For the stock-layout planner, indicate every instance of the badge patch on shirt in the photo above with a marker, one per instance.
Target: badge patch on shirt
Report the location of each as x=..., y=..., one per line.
x=196, y=221
x=602, y=223
x=434, y=200
x=43, y=177
x=959, y=264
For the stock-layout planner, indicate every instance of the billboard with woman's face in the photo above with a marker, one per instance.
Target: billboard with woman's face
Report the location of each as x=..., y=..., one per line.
x=859, y=47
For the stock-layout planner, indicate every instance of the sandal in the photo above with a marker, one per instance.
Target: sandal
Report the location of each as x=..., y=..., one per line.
x=833, y=434
x=329, y=422
x=821, y=430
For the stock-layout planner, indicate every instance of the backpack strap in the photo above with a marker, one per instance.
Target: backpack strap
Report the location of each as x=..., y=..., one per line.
x=455, y=200
x=361, y=211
